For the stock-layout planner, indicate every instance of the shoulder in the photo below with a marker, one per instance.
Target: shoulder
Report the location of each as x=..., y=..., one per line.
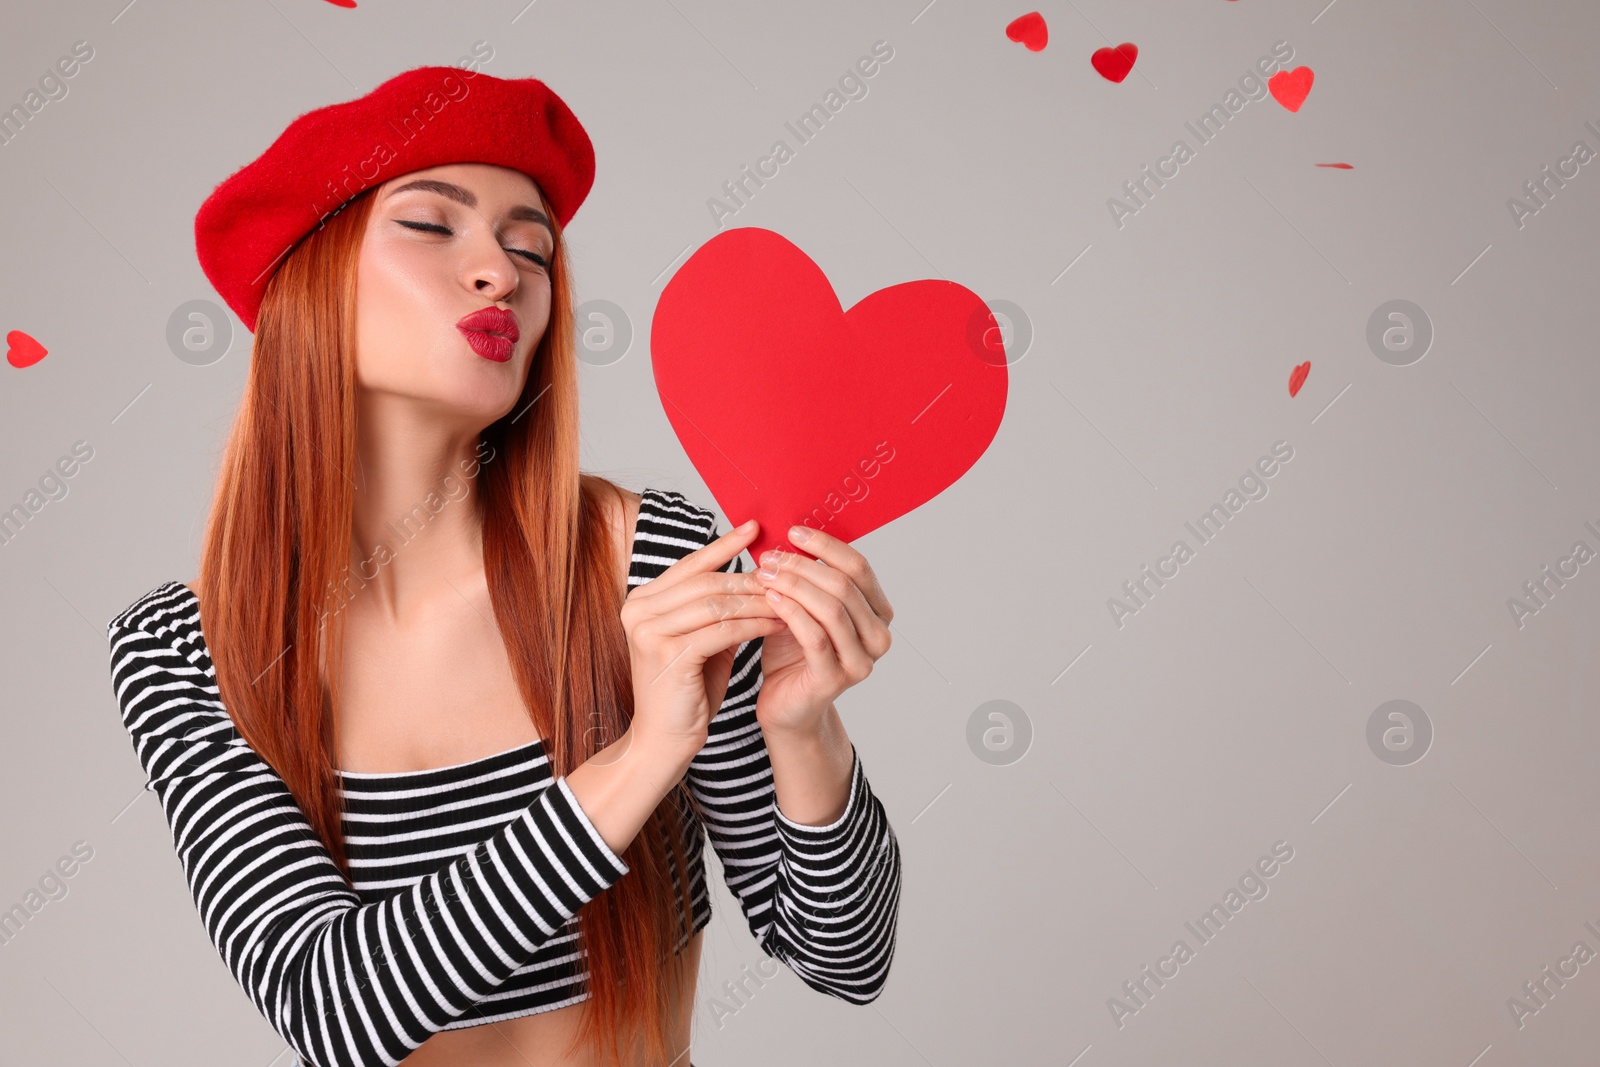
x=621, y=511
x=620, y=508
x=158, y=662
x=156, y=613
x=671, y=522
x=671, y=510
x=670, y=525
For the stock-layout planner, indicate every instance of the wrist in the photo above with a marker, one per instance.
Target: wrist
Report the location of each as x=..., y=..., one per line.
x=620, y=785
x=670, y=755
x=812, y=769
x=812, y=731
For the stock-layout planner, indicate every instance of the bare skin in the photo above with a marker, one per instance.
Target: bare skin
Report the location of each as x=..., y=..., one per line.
x=425, y=677
x=441, y=692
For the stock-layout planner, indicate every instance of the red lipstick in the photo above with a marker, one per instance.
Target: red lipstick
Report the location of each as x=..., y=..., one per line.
x=491, y=331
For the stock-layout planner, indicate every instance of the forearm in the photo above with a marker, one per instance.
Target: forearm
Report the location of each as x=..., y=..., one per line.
x=821, y=895
x=619, y=786
x=811, y=770
x=837, y=881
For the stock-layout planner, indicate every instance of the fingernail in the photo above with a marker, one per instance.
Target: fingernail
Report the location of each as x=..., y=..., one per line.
x=799, y=534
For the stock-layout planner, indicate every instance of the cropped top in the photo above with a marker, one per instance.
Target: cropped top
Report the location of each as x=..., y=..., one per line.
x=468, y=878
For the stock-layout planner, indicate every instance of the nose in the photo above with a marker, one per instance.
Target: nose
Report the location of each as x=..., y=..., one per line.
x=491, y=273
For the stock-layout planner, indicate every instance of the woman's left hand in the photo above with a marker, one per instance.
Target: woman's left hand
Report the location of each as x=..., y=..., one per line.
x=837, y=627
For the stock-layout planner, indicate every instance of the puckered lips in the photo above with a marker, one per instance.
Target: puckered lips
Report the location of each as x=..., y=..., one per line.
x=492, y=332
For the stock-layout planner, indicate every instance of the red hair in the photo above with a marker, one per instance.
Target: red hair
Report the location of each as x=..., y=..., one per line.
x=275, y=571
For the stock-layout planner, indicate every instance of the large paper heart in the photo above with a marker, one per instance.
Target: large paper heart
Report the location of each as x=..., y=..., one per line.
x=796, y=411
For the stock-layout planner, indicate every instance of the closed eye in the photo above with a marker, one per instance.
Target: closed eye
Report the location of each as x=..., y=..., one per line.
x=436, y=228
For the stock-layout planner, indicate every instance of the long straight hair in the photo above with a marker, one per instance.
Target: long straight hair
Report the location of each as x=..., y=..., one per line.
x=275, y=571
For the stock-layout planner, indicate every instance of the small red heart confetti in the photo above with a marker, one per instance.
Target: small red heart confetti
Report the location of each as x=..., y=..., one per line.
x=22, y=350
x=343, y=3
x=1114, y=63
x=1298, y=377
x=1290, y=87
x=1341, y=166
x=1029, y=30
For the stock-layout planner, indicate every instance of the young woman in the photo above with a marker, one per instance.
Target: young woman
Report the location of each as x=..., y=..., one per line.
x=443, y=723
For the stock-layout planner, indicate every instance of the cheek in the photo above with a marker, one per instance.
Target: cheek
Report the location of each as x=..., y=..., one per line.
x=532, y=306
x=399, y=317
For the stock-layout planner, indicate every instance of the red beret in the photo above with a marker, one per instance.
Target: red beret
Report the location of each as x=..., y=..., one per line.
x=422, y=118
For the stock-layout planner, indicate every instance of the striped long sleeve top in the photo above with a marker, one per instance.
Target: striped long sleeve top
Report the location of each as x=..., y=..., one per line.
x=468, y=879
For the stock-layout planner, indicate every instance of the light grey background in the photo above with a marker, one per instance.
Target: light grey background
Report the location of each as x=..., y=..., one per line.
x=1229, y=714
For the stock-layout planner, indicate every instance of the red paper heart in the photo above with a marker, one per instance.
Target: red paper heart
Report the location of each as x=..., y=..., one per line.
x=1298, y=377
x=22, y=350
x=1030, y=30
x=795, y=411
x=1290, y=87
x=1114, y=63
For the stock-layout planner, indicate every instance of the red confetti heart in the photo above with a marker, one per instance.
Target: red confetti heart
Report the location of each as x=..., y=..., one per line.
x=1114, y=63
x=1290, y=87
x=22, y=350
x=343, y=3
x=1030, y=30
x=1297, y=377
x=1341, y=166
x=796, y=411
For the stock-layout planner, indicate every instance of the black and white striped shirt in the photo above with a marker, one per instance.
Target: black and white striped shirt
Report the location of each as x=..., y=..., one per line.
x=468, y=878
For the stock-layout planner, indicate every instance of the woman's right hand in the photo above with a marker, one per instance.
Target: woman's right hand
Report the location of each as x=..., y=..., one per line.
x=684, y=628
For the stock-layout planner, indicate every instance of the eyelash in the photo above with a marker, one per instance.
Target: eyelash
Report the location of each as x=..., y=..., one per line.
x=436, y=228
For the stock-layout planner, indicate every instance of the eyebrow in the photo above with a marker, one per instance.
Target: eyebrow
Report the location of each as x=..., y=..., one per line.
x=521, y=212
